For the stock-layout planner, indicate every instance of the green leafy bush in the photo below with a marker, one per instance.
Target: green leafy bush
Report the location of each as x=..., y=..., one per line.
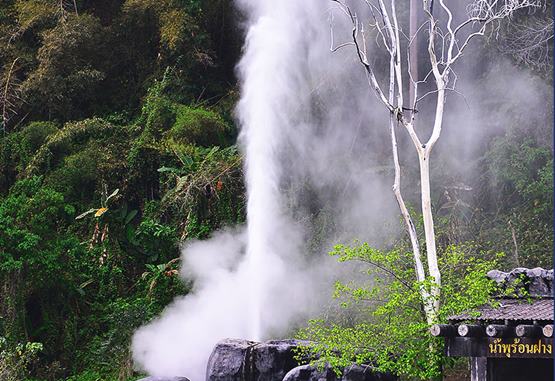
x=16, y=361
x=198, y=126
x=382, y=322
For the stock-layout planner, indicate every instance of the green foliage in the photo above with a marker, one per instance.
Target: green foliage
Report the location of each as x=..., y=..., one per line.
x=166, y=119
x=90, y=58
x=198, y=126
x=125, y=95
x=522, y=173
x=17, y=149
x=88, y=375
x=29, y=140
x=78, y=231
x=28, y=216
x=17, y=361
x=120, y=318
x=526, y=168
x=382, y=321
x=35, y=13
x=158, y=240
x=202, y=191
x=138, y=95
x=81, y=157
x=68, y=79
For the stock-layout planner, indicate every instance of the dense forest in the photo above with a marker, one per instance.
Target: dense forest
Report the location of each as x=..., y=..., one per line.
x=118, y=143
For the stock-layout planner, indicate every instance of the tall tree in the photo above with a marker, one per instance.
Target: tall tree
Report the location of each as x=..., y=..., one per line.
x=447, y=40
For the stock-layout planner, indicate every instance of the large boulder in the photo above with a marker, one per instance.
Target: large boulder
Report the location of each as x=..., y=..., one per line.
x=522, y=282
x=351, y=373
x=229, y=361
x=273, y=359
x=541, y=282
x=365, y=373
x=310, y=373
x=242, y=360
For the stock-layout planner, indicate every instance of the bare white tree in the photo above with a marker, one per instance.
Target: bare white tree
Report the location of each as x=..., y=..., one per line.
x=10, y=95
x=447, y=42
x=528, y=38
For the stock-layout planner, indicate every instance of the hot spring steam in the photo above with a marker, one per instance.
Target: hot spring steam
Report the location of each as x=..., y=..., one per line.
x=318, y=172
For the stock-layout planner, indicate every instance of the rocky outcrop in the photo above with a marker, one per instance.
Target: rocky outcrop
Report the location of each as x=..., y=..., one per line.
x=242, y=360
x=310, y=373
x=229, y=361
x=273, y=359
x=536, y=282
x=351, y=373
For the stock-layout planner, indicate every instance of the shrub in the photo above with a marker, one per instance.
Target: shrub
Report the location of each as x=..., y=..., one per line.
x=382, y=322
x=198, y=126
x=16, y=361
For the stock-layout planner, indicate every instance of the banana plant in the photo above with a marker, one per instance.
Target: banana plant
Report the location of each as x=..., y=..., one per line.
x=100, y=235
x=104, y=199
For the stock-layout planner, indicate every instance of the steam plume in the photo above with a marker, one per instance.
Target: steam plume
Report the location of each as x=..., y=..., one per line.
x=318, y=172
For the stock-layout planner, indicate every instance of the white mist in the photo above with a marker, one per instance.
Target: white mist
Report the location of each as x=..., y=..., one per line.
x=308, y=121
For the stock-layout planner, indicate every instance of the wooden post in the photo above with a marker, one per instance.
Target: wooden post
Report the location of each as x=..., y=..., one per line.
x=443, y=330
x=467, y=330
x=498, y=330
x=478, y=369
x=528, y=330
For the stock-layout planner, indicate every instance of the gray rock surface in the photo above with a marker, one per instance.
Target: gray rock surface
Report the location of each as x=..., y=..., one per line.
x=241, y=360
x=273, y=359
x=365, y=373
x=229, y=361
x=351, y=373
x=310, y=373
x=535, y=282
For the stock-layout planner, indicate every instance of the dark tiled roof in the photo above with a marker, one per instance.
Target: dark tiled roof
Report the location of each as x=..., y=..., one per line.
x=512, y=309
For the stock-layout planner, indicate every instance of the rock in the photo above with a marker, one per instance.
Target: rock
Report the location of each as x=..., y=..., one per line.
x=352, y=373
x=535, y=282
x=229, y=361
x=310, y=373
x=517, y=275
x=273, y=359
x=164, y=379
x=539, y=282
x=365, y=373
x=536, y=272
x=497, y=276
x=241, y=360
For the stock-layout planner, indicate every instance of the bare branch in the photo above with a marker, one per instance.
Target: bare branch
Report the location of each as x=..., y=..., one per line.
x=363, y=58
x=10, y=97
x=485, y=13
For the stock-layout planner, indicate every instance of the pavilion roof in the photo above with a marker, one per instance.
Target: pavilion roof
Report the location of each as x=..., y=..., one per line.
x=510, y=309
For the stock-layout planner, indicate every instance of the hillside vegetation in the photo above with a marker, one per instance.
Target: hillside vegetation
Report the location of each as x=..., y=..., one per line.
x=118, y=143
